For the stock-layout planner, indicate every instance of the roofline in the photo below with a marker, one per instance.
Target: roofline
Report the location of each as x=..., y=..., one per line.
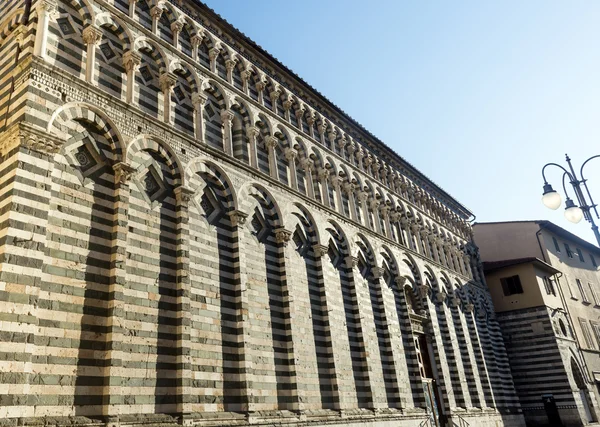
x=262, y=51
x=521, y=261
x=552, y=227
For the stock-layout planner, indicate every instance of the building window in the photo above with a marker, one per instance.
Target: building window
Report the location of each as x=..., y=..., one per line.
x=584, y=296
x=596, y=330
x=568, y=251
x=580, y=255
x=511, y=285
x=593, y=292
x=556, y=246
x=549, y=286
x=563, y=328
x=593, y=260
x=587, y=336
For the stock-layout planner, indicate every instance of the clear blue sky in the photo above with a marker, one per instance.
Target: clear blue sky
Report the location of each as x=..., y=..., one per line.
x=477, y=95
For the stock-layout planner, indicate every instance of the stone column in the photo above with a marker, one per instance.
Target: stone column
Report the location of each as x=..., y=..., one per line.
x=92, y=36
x=271, y=142
x=196, y=41
x=131, y=62
x=290, y=155
x=198, y=101
x=245, y=365
x=132, y=4
x=114, y=372
x=360, y=154
x=363, y=196
x=467, y=349
x=323, y=175
x=166, y=82
x=287, y=106
x=176, y=28
x=252, y=133
x=375, y=209
x=299, y=115
x=453, y=354
x=332, y=135
x=341, y=143
x=310, y=120
x=212, y=55
x=156, y=13
x=260, y=87
x=367, y=160
x=230, y=65
x=274, y=95
x=348, y=188
x=183, y=197
x=246, y=75
x=443, y=372
x=308, y=165
x=385, y=213
x=322, y=128
x=479, y=353
x=46, y=9
x=337, y=181
x=351, y=149
x=226, y=119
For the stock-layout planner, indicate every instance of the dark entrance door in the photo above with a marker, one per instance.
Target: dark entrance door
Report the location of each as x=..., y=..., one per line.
x=551, y=411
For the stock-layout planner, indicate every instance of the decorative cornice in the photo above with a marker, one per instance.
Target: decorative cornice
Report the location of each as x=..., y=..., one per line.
x=30, y=137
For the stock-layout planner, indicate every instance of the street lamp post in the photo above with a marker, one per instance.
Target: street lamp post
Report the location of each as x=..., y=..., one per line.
x=573, y=213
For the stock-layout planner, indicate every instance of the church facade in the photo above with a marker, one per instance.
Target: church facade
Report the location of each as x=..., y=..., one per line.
x=191, y=234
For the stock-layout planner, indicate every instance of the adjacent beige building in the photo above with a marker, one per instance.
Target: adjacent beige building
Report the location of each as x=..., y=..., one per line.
x=545, y=286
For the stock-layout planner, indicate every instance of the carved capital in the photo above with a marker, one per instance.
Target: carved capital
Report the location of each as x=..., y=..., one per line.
x=401, y=281
x=92, y=35
x=227, y=117
x=377, y=272
x=363, y=196
x=166, y=81
x=230, y=64
x=252, y=132
x=424, y=291
x=310, y=119
x=183, y=195
x=177, y=26
x=47, y=6
x=213, y=53
x=246, y=74
x=323, y=173
x=440, y=297
x=196, y=39
x=307, y=165
x=198, y=100
x=351, y=261
x=123, y=173
x=320, y=250
x=348, y=188
x=287, y=104
x=157, y=11
x=290, y=154
x=237, y=217
x=283, y=236
x=275, y=94
x=271, y=141
x=131, y=61
x=469, y=307
x=260, y=86
x=455, y=301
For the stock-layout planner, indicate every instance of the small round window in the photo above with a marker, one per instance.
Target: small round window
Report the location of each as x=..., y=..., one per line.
x=563, y=329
